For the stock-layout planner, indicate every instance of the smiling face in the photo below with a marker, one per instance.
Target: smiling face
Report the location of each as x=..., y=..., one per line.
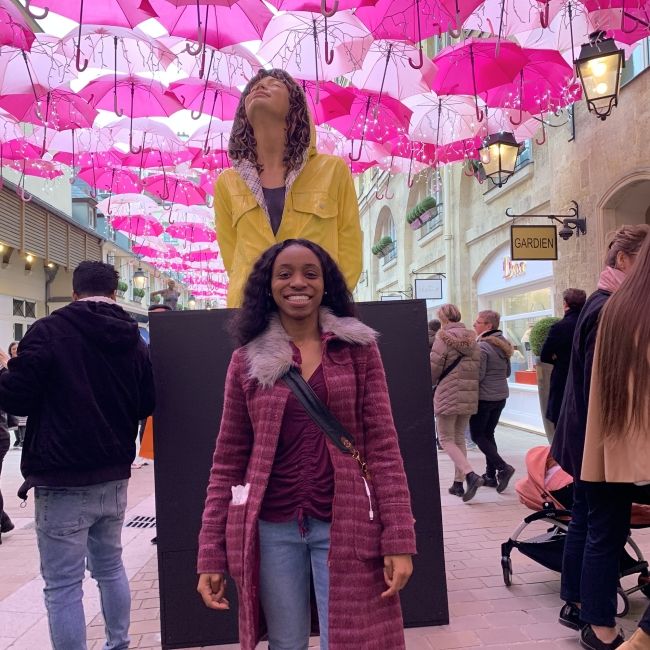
x=269, y=96
x=297, y=283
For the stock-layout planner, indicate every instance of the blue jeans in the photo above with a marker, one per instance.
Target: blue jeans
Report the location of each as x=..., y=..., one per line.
x=75, y=525
x=287, y=558
x=598, y=531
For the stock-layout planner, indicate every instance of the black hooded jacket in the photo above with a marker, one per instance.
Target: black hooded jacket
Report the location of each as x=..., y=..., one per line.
x=83, y=377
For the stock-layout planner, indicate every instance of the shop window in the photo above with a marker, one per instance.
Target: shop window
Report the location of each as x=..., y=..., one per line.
x=30, y=309
x=393, y=235
x=19, y=308
x=18, y=331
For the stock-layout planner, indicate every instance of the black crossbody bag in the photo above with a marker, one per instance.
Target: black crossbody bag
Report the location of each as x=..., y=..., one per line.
x=324, y=418
x=446, y=371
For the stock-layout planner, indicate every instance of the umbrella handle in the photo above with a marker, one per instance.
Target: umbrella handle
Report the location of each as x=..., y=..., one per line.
x=332, y=11
x=351, y=155
x=80, y=68
x=420, y=62
x=543, y=140
x=456, y=33
x=329, y=52
x=544, y=15
x=623, y=16
x=190, y=50
x=118, y=111
x=519, y=121
x=30, y=11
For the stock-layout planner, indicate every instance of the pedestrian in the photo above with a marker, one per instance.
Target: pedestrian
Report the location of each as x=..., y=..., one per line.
x=455, y=360
x=493, y=393
x=5, y=522
x=84, y=379
x=169, y=296
x=280, y=187
x=434, y=326
x=294, y=502
x=617, y=439
x=18, y=422
x=589, y=580
x=557, y=349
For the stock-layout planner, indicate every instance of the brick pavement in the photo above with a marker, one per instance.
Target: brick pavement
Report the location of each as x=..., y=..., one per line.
x=483, y=612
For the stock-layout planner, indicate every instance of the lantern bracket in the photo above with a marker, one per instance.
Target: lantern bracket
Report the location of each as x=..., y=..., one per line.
x=571, y=222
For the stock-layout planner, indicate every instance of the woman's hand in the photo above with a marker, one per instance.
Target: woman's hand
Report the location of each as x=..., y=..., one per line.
x=397, y=571
x=212, y=587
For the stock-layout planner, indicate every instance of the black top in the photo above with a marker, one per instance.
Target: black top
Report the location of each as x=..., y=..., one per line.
x=83, y=377
x=569, y=441
x=274, y=197
x=557, y=351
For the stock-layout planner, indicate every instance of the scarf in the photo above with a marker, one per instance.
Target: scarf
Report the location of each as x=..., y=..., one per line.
x=611, y=279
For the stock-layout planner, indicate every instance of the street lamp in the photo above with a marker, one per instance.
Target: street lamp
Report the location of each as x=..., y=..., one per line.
x=499, y=157
x=191, y=301
x=139, y=278
x=599, y=66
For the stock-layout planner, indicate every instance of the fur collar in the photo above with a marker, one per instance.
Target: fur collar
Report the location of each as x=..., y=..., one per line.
x=498, y=341
x=458, y=337
x=269, y=356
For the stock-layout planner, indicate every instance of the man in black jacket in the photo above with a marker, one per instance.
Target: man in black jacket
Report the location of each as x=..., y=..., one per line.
x=84, y=378
x=557, y=349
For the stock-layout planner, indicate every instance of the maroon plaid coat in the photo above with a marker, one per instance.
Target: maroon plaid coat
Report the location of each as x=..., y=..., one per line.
x=255, y=398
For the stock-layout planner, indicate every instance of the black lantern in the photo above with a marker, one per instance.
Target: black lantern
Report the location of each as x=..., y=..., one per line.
x=499, y=157
x=599, y=66
x=139, y=278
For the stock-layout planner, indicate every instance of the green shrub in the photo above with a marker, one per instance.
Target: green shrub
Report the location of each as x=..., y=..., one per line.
x=423, y=206
x=384, y=242
x=539, y=333
x=138, y=293
x=122, y=286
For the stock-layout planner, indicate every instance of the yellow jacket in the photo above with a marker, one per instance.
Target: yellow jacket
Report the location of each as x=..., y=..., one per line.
x=320, y=205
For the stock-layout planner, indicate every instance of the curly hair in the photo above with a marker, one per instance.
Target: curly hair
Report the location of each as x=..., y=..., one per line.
x=258, y=305
x=242, y=144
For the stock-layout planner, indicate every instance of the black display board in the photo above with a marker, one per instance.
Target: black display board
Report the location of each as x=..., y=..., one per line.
x=190, y=353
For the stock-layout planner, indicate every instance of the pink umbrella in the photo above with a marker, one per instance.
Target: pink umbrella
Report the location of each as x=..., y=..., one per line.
x=174, y=189
x=58, y=109
x=215, y=25
x=86, y=140
x=545, y=83
x=89, y=158
x=202, y=255
x=387, y=69
x=38, y=168
x=373, y=118
x=113, y=180
x=328, y=139
x=9, y=128
x=192, y=231
x=149, y=158
x=138, y=225
x=14, y=29
x=415, y=20
x=207, y=96
x=477, y=65
x=125, y=204
x=326, y=99
x=143, y=97
x=154, y=248
x=626, y=25
x=215, y=159
x=312, y=46
x=320, y=5
x=509, y=17
x=18, y=149
x=118, y=13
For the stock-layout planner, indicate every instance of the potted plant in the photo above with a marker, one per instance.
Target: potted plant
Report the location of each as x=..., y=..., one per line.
x=538, y=335
x=122, y=288
x=155, y=300
x=475, y=168
x=138, y=294
x=384, y=246
x=424, y=211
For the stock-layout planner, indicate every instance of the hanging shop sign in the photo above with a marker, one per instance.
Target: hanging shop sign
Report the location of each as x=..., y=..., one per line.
x=428, y=288
x=533, y=242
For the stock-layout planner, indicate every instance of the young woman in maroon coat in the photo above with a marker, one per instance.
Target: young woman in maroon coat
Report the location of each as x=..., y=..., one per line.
x=283, y=501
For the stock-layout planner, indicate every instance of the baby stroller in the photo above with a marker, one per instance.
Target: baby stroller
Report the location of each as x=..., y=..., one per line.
x=548, y=491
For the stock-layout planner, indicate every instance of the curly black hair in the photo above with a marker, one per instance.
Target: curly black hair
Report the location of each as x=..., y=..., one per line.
x=242, y=144
x=258, y=305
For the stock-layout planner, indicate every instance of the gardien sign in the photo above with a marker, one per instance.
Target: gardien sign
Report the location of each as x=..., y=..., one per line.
x=533, y=242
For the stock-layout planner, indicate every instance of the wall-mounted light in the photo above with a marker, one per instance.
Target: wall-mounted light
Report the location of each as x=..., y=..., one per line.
x=29, y=260
x=599, y=67
x=139, y=278
x=499, y=157
x=191, y=302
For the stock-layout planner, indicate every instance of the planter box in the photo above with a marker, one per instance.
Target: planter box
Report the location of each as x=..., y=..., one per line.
x=138, y=299
x=120, y=294
x=386, y=250
x=423, y=218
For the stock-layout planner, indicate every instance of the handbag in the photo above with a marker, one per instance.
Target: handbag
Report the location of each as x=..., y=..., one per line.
x=446, y=371
x=324, y=418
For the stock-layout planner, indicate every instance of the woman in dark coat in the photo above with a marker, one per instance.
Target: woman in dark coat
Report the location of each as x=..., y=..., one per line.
x=5, y=523
x=592, y=551
x=283, y=500
x=557, y=349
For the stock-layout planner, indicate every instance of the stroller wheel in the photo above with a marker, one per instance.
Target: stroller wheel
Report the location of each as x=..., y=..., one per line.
x=622, y=603
x=506, y=566
x=644, y=583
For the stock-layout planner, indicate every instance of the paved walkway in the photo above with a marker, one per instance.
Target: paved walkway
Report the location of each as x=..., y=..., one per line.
x=483, y=611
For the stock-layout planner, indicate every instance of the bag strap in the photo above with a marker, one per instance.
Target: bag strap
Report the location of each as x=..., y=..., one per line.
x=449, y=368
x=322, y=416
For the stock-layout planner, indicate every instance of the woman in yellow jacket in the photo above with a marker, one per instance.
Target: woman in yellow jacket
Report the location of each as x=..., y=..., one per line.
x=279, y=187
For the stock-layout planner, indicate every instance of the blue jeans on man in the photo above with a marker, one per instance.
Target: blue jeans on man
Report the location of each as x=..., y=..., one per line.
x=78, y=527
x=288, y=556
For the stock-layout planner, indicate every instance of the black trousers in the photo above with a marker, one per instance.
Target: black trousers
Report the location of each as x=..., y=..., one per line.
x=482, y=426
x=4, y=448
